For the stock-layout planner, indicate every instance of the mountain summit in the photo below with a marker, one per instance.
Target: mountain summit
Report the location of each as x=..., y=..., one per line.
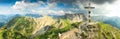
x=46, y=27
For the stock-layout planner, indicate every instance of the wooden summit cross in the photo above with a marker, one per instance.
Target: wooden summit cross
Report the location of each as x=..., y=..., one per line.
x=89, y=7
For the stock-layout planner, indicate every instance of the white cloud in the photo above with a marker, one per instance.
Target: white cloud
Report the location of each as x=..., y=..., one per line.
x=20, y=5
x=52, y=5
x=38, y=7
x=109, y=9
x=41, y=7
x=48, y=11
x=6, y=10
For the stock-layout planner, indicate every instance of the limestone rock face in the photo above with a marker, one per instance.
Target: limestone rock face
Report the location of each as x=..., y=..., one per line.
x=76, y=17
x=70, y=34
x=93, y=30
x=42, y=22
x=89, y=31
x=83, y=32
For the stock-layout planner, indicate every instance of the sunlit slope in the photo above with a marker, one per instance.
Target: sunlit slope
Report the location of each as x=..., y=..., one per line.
x=47, y=27
x=18, y=28
x=108, y=32
x=63, y=25
x=24, y=27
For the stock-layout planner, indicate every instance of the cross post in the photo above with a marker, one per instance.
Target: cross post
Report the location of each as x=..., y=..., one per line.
x=89, y=7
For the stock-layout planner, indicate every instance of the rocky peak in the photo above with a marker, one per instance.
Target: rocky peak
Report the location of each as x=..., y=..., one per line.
x=76, y=17
x=42, y=22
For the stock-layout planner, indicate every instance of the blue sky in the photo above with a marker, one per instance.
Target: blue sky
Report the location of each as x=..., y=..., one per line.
x=7, y=6
x=102, y=7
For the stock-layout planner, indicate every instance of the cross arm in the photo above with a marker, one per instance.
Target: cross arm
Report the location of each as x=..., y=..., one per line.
x=89, y=7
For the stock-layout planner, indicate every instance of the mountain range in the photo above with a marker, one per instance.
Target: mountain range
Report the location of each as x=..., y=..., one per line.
x=114, y=21
x=47, y=27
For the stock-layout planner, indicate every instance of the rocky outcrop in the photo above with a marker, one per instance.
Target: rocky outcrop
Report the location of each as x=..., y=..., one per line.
x=92, y=30
x=69, y=34
x=77, y=17
x=85, y=31
x=42, y=22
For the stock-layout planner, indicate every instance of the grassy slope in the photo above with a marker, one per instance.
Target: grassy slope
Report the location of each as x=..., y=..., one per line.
x=53, y=33
x=17, y=28
x=108, y=32
x=22, y=27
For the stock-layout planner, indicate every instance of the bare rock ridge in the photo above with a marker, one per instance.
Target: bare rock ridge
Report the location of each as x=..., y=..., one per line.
x=42, y=22
x=83, y=32
x=92, y=31
x=76, y=17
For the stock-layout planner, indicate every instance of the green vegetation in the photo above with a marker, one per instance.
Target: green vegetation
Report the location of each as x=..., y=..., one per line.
x=17, y=28
x=13, y=35
x=1, y=33
x=76, y=25
x=22, y=28
x=108, y=32
x=53, y=33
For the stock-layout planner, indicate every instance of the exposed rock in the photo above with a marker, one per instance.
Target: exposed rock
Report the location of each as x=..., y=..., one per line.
x=77, y=17
x=43, y=22
x=27, y=28
x=69, y=34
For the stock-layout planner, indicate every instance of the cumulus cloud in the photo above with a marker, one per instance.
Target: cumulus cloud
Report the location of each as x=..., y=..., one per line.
x=51, y=6
x=39, y=7
x=51, y=12
x=103, y=1
x=83, y=1
x=21, y=5
x=107, y=9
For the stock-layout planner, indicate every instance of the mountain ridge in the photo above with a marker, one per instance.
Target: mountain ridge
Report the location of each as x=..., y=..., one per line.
x=24, y=27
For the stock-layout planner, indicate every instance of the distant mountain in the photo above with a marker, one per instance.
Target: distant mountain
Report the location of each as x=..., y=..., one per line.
x=34, y=15
x=114, y=21
x=6, y=18
x=3, y=19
